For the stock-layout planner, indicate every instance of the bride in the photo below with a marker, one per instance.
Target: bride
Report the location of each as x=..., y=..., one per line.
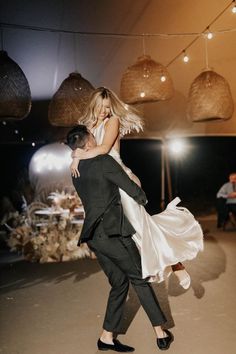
x=164, y=240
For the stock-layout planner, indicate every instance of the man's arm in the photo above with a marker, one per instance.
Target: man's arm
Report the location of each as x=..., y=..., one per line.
x=223, y=191
x=115, y=173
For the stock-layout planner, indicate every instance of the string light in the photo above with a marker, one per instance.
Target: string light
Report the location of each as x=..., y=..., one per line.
x=142, y=94
x=234, y=7
x=185, y=57
x=33, y=144
x=197, y=35
x=163, y=78
x=209, y=34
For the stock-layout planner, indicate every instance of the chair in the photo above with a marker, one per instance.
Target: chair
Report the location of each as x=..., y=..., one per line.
x=222, y=212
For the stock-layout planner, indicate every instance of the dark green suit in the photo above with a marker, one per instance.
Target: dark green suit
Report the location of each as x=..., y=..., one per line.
x=107, y=232
x=97, y=188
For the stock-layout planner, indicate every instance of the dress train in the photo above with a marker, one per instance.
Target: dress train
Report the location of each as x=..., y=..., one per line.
x=163, y=239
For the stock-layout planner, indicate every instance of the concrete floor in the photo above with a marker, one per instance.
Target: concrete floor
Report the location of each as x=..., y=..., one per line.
x=59, y=308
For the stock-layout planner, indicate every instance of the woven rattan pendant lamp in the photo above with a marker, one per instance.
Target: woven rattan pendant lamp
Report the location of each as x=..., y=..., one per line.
x=68, y=103
x=209, y=98
x=15, y=96
x=146, y=81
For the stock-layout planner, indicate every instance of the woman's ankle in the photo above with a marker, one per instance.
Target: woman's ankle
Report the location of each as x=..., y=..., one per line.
x=177, y=266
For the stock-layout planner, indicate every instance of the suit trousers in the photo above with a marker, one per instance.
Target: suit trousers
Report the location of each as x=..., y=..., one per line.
x=120, y=260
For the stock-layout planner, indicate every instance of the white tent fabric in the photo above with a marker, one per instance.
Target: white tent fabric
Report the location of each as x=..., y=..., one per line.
x=47, y=58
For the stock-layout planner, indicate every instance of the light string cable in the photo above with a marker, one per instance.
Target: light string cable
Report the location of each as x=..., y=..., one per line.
x=1, y=28
x=144, y=45
x=134, y=35
x=202, y=33
x=206, y=53
x=55, y=79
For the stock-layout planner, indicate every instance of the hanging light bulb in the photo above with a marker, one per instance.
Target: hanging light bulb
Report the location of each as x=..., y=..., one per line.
x=142, y=94
x=234, y=8
x=163, y=78
x=209, y=34
x=185, y=57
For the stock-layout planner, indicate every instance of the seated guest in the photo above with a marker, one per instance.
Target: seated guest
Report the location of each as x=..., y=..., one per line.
x=226, y=200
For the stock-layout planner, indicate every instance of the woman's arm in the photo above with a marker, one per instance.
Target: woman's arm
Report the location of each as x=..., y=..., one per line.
x=110, y=137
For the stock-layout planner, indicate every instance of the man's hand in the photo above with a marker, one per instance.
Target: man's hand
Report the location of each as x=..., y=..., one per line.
x=144, y=201
x=232, y=195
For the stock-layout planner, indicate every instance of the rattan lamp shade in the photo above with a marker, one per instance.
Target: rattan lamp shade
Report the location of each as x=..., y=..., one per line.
x=146, y=81
x=209, y=98
x=68, y=103
x=15, y=96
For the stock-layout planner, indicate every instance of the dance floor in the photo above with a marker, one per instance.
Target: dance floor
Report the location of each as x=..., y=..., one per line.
x=58, y=308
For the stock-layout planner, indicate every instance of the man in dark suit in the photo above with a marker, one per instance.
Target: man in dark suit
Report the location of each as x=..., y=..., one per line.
x=108, y=233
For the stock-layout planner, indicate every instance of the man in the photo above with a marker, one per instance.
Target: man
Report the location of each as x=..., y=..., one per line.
x=108, y=233
x=226, y=201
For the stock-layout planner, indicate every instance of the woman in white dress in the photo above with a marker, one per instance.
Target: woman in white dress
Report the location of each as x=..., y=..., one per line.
x=164, y=240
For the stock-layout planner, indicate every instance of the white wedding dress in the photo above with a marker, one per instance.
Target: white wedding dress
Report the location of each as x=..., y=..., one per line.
x=163, y=239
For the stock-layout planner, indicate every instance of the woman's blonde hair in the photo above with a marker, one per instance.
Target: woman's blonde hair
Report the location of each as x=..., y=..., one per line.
x=128, y=116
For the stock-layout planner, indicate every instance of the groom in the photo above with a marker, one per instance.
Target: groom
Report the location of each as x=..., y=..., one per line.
x=108, y=233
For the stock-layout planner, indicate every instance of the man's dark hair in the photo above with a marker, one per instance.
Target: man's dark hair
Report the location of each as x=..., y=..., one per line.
x=77, y=137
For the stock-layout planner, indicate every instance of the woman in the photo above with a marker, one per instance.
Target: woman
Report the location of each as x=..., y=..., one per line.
x=164, y=240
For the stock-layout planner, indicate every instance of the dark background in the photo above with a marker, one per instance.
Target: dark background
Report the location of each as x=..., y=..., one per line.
x=195, y=178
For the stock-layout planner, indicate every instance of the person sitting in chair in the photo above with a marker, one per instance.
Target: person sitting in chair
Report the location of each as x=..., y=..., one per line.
x=226, y=201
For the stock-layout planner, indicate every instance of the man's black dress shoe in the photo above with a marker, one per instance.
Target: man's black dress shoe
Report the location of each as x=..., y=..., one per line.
x=164, y=343
x=117, y=346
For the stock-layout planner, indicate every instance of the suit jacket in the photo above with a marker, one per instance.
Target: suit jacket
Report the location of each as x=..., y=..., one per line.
x=98, y=187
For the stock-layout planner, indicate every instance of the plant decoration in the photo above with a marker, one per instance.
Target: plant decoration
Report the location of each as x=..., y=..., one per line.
x=51, y=236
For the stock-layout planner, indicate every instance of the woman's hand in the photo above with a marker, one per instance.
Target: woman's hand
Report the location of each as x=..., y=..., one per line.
x=74, y=167
x=135, y=179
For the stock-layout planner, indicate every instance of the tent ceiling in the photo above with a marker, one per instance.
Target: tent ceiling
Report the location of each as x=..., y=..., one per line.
x=47, y=58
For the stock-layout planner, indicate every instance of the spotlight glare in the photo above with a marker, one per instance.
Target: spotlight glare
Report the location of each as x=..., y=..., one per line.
x=177, y=147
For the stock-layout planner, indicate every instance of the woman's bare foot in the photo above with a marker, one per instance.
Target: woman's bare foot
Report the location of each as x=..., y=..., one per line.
x=184, y=278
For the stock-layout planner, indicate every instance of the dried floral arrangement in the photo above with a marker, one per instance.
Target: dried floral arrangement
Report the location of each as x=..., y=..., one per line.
x=50, y=238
